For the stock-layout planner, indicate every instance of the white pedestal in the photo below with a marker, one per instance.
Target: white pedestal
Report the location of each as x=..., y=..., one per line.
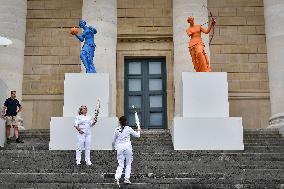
x=63, y=135
x=84, y=89
x=208, y=133
x=2, y=133
x=206, y=124
x=205, y=94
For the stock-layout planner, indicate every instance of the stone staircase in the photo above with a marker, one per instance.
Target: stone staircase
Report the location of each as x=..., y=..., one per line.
x=156, y=164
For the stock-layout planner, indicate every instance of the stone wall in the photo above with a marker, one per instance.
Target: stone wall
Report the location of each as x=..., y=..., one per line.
x=239, y=48
x=144, y=17
x=50, y=52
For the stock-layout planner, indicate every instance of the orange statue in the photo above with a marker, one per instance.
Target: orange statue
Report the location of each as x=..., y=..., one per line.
x=196, y=46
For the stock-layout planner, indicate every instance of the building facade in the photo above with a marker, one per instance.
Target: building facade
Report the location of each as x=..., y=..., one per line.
x=143, y=45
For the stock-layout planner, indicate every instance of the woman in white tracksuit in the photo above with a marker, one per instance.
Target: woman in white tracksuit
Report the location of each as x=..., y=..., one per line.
x=121, y=142
x=83, y=124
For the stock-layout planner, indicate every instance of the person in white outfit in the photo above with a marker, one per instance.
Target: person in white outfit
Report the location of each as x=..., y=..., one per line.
x=122, y=144
x=83, y=124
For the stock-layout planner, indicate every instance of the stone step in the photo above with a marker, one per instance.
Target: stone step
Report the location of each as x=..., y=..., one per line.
x=169, y=155
x=255, y=136
x=141, y=166
x=166, y=140
x=276, y=143
x=261, y=131
x=264, y=139
x=249, y=147
x=161, y=131
x=37, y=157
x=108, y=185
x=264, y=149
x=138, y=185
x=38, y=132
x=166, y=134
x=167, y=149
x=249, y=176
x=40, y=144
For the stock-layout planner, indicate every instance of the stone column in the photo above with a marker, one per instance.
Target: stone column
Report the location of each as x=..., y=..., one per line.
x=13, y=26
x=274, y=29
x=102, y=14
x=182, y=59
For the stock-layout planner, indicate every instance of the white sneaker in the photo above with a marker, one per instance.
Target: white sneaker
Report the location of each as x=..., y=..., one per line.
x=89, y=163
x=78, y=162
x=127, y=181
x=117, y=182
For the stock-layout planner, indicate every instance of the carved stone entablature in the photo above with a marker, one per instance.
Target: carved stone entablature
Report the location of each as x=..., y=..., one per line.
x=144, y=38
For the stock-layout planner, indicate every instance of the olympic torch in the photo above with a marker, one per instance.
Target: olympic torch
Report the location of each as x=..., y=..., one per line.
x=97, y=110
x=136, y=118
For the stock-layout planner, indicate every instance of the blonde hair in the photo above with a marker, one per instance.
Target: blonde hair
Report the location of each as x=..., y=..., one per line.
x=80, y=109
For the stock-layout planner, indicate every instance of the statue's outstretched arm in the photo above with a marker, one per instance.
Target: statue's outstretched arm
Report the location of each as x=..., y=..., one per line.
x=80, y=37
x=206, y=31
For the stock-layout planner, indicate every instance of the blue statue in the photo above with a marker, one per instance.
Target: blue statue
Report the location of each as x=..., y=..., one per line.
x=87, y=51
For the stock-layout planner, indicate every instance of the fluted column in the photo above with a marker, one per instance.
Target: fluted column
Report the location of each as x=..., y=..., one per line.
x=13, y=26
x=274, y=29
x=102, y=14
x=182, y=60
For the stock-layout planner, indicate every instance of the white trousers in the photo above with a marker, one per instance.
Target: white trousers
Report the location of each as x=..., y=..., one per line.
x=84, y=140
x=124, y=152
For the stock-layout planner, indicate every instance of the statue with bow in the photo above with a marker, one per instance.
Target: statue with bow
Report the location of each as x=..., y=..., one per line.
x=196, y=46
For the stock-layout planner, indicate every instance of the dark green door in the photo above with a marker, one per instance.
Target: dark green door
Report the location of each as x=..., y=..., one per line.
x=145, y=88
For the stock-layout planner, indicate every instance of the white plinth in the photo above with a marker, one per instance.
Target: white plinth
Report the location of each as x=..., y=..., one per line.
x=2, y=133
x=205, y=94
x=208, y=133
x=205, y=123
x=63, y=135
x=85, y=89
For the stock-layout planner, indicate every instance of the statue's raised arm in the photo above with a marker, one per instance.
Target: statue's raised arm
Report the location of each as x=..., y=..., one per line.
x=89, y=47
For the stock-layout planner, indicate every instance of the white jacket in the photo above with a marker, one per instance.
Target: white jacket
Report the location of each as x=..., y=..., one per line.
x=84, y=123
x=122, y=136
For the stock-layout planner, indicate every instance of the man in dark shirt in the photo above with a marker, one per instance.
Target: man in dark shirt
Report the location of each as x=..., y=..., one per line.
x=9, y=112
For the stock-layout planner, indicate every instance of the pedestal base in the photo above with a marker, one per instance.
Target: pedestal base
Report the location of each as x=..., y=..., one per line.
x=63, y=135
x=207, y=133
